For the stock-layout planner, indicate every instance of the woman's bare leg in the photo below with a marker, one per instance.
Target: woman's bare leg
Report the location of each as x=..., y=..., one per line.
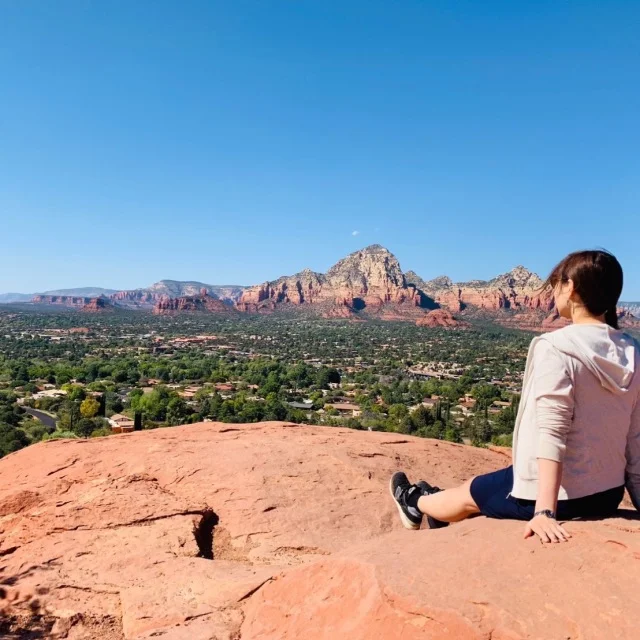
x=450, y=505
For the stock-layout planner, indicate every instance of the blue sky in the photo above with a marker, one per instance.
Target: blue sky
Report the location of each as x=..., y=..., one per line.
x=234, y=142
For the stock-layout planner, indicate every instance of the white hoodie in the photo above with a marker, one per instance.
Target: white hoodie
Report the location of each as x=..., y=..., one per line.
x=580, y=406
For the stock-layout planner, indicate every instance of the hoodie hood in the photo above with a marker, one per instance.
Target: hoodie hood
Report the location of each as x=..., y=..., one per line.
x=610, y=354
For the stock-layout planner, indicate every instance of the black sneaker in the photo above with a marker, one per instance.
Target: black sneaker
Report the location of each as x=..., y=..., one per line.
x=427, y=490
x=402, y=490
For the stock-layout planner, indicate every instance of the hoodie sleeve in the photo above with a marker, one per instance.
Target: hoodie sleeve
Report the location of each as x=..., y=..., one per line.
x=633, y=457
x=553, y=391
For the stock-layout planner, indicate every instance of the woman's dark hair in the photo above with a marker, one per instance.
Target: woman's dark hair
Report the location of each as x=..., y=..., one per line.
x=597, y=279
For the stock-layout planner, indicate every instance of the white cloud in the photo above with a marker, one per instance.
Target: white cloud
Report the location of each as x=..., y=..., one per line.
x=355, y=233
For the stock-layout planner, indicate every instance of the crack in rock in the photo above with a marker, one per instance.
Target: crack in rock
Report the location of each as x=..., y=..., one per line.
x=63, y=468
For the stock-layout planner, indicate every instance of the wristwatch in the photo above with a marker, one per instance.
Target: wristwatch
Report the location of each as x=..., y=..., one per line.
x=545, y=512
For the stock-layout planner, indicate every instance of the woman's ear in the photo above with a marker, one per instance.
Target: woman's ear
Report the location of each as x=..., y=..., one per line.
x=570, y=289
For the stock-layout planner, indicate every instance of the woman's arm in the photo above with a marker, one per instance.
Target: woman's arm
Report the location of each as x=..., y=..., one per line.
x=549, y=477
x=553, y=390
x=547, y=529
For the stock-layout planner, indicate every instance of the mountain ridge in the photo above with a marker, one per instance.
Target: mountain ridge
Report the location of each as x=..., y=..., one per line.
x=368, y=282
x=372, y=277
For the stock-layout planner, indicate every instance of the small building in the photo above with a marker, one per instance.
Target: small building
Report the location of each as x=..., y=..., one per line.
x=305, y=406
x=344, y=408
x=49, y=393
x=121, y=424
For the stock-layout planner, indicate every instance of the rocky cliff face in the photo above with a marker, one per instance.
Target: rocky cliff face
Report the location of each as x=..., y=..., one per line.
x=366, y=279
x=98, y=305
x=517, y=289
x=304, y=287
x=202, y=302
x=281, y=532
x=150, y=296
x=632, y=307
x=137, y=299
x=371, y=280
x=73, y=302
x=627, y=320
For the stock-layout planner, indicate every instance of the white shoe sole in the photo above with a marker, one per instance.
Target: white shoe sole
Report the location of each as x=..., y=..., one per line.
x=406, y=523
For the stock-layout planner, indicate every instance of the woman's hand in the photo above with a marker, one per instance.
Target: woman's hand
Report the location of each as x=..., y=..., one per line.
x=547, y=529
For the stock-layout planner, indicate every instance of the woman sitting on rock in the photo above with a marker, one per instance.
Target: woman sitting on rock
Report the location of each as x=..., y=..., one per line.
x=577, y=434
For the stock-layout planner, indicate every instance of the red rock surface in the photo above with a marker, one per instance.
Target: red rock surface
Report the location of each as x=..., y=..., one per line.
x=97, y=541
x=98, y=305
x=202, y=303
x=438, y=318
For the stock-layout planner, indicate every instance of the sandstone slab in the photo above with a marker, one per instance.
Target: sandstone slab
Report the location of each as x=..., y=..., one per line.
x=276, y=530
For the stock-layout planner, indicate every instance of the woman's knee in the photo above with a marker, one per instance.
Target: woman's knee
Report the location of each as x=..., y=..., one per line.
x=468, y=497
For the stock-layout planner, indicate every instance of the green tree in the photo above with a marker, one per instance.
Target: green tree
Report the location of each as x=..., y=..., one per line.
x=177, y=411
x=11, y=439
x=481, y=431
x=89, y=408
x=68, y=414
x=421, y=418
x=84, y=427
x=75, y=392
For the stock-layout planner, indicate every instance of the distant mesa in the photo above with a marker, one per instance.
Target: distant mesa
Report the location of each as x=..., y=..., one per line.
x=101, y=304
x=97, y=304
x=76, y=302
x=439, y=318
x=149, y=297
x=203, y=303
x=8, y=298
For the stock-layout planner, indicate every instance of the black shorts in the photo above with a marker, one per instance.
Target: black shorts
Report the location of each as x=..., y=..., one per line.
x=491, y=492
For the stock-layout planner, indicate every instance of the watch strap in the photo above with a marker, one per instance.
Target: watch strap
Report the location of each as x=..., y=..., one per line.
x=545, y=512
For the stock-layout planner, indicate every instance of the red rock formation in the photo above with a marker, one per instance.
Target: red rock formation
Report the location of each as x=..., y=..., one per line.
x=73, y=302
x=627, y=320
x=202, y=303
x=438, y=318
x=517, y=289
x=148, y=297
x=368, y=278
x=98, y=305
x=136, y=298
x=371, y=279
x=112, y=538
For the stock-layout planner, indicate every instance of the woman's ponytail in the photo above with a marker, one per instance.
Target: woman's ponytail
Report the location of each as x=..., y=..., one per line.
x=611, y=318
